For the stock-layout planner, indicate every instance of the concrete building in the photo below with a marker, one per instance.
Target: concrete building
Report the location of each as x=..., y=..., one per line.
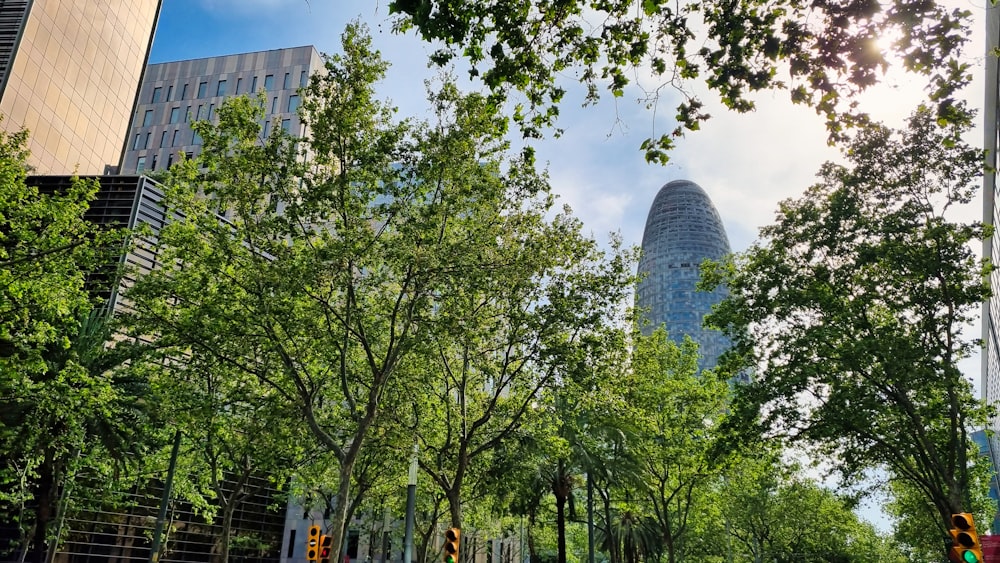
x=175, y=94
x=683, y=230
x=69, y=72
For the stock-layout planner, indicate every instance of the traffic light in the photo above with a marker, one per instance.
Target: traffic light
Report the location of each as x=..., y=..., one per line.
x=312, y=543
x=324, y=548
x=964, y=539
x=452, y=538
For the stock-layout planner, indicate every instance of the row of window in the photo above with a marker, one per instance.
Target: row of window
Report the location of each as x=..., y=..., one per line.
x=221, y=87
x=141, y=163
x=142, y=142
x=175, y=112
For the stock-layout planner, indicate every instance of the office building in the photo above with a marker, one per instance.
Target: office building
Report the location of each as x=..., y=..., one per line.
x=104, y=523
x=683, y=230
x=990, y=377
x=69, y=72
x=175, y=94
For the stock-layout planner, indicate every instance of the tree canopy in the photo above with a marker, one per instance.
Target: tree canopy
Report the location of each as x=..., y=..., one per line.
x=852, y=308
x=823, y=53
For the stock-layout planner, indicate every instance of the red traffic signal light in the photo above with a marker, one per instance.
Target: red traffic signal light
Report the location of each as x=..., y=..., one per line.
x=452, y=538
x=325, y=543
x=966, y=547
x=312, y=544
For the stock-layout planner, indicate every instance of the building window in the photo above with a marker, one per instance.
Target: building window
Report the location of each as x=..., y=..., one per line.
x=288, y=81
x=221, y=90
x=210, y=108
x=201, y=110
x=170, y=160
x=274, y=104
x=202, y=89
x=170, y=92
x=286, y=124
x=148, y=137
x=303, y=79
x=184, y=92
x=140, y=164
x=267, y=129
x=293, y=103
x=157, y=92
x=135, y=143
x=147, y=119
x=197, y=139
x=239, y=83
x=175, y=115
x=253, y=85
x=177, y=137
x=163, y=139
x=187, y=114
x=152, y=165
x=269, y=82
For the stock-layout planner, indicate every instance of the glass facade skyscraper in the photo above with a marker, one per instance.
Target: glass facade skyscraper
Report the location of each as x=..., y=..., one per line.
x=683, y=230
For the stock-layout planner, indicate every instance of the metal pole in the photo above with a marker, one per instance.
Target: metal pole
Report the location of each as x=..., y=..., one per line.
x=411, y=505
x=154, y=550
x=590, y=519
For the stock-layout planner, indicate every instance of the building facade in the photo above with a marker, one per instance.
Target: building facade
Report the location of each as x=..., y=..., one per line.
x=683, y=230
x=175, y=94
x=69, y=72
x=990, y=377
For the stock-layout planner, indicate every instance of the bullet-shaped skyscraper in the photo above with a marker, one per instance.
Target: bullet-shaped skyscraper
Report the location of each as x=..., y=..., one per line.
x=683, y=230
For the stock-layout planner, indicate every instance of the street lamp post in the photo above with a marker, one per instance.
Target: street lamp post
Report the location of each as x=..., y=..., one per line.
x=411, y=502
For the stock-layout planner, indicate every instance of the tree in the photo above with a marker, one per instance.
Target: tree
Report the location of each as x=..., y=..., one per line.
x=238, y=434
x=62, y=397
x=773, y=512
x=675, y=410
x=524, y=289
x=829, y=49
x=345, y=253
x=852, y=306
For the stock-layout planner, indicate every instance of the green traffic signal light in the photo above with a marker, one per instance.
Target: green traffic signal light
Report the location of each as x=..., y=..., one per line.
x=970, y=557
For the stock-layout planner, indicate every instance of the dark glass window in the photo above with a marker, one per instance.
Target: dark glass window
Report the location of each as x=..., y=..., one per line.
x=175, y=115
x=202, y=89
x=288, y=81
x=140, y=164
x=163, y=139
x=147, y=119
x=239, y=84
x=221, y=89
x=157, y=93
x=184, y=92
x=170, y=92
x=269, y=82
x=293, y=103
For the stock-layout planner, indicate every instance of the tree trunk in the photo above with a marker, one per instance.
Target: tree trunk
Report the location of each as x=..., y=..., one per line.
x=44, y=498
x=560, y=488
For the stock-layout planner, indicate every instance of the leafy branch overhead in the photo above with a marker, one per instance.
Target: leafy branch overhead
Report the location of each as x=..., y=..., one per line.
x=823, y=53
